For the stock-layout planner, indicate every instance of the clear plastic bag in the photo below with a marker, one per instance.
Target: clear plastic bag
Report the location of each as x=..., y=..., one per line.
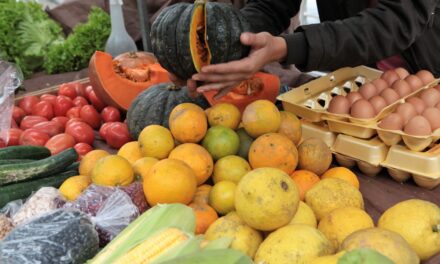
x=59, y=237
x=11, y=78
x=11, y=208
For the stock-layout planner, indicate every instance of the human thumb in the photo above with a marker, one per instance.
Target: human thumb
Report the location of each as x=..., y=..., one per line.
x=254, y=40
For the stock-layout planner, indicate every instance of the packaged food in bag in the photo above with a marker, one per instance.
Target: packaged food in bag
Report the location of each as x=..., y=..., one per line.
x=59, y=237
x=6, y=226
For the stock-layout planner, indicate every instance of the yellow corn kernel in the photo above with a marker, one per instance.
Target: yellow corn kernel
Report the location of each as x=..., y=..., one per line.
x=153, y=247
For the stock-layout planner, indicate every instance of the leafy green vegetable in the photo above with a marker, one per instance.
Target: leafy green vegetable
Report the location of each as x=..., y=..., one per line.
x=75, y=52
x=26, y=32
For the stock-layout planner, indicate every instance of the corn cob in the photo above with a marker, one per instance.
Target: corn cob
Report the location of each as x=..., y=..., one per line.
x=153, y=247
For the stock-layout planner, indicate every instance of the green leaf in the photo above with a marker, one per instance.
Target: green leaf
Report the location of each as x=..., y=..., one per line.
x=215, y=256
x=221, y=243
x=189, y=247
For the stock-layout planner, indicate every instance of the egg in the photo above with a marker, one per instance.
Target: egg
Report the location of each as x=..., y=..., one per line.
x=339, y=105
x=432, y=114
x=353, y=97
x=438, y=105
x=418, y=104
x=380, y=84
x=402, y=72
x=418, y=126
x=362, y=109
x=402, y=88
x=406, y=111
x=392, y=121
x=437, y=88
x=390, y=95
x=430, y=97
x=368, y=90
x=378, y=103
x=414, y=82
x=425, y=76
x=390, y=77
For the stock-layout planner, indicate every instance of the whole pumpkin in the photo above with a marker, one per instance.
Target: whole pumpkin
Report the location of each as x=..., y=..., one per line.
x=185, y=36
x=154, y=105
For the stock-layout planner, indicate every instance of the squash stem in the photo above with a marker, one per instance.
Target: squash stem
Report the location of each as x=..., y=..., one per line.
x=202, y=2
x=436, y=228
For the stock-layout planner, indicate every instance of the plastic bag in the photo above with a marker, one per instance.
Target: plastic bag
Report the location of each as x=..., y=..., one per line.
x=11, y=78
x=43, y=201
x=59, y=237
x=11, y=208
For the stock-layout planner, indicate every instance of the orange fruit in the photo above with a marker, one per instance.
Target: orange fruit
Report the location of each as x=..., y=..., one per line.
x=230, y=168
x=74, y=186
x=224, y=114
x=314, y=155
x=197, y=158
x=290, y=126
x=221, y=141
x=221, y=197
x=188, y=123
x=261, y=117
x=89, y=160
x=273, y=150
x=343, y=174
x=142, y=166
x=156, y=141
x=205, y=216
x=305, y=180
x=170, y=181
x=202, y=194
x=112, y=170
x=131, y=151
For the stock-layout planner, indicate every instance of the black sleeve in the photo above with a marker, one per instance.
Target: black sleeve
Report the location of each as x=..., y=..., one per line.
x=272, y=16
x=373, y=34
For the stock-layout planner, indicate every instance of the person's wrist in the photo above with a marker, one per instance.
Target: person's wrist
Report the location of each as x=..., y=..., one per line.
x=280, y=49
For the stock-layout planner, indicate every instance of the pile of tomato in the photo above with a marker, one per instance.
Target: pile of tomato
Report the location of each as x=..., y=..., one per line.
x=71, y=117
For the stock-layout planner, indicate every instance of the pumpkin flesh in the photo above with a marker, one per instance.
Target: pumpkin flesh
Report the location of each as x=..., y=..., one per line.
x=200, y=53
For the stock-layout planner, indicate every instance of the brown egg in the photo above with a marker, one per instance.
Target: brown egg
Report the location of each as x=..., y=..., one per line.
x=437, y=88
x=380, y=84
x=425, y=76
x=430, y=97
x=414, y=82
x=432, y=114
x=402, y=72
x=438, y=105
x=339, y=105
x=378, y=103
x=368, y=90
x=406, y=111
x=418, y=126
x=390, y=95
x=402, y=88
x=392, y=121
x=390, y=77
x=418, y=104
x=362, y=109
x=353, y=97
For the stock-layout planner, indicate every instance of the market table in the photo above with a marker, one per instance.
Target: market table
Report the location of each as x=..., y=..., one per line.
x=379, y=192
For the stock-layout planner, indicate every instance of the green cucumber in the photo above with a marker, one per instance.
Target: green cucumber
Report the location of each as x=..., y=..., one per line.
x=14, y=161
x=24, y=152
x=22, y=190
x=37, y=169
x=73, y=167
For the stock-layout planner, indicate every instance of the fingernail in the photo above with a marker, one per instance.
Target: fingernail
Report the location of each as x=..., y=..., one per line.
x=196, y=77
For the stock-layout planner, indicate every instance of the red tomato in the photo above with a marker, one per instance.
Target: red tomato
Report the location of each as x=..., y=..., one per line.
x=62, y=105
x=13, y=123
x=89, y=114
x=14, y=136
x=73, y=120
x=44, y=109
x=81, y=131
x=2, y=143
x=33, y=137
x=117, y=135
x=59, y=143
x=79, y=88
x=51, y=98
x=27, y=103
x=110, y=114
x=96, y=102
x=62, y=120
x=73, y=112
x=103, y=130
x=82, y=149
x=80, y=101
x=88, y=89
x=18, y=114
x=30, y=121
x=51, y=128
x=67, y=89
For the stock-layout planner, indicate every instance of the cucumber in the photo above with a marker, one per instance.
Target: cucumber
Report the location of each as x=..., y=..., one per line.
x=73, y=167
x=37, y=169
x=14, y=161
x=22, y=190
x=24, y=152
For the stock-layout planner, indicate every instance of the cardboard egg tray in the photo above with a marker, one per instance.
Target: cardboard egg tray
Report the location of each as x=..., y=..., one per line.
x=372, y=156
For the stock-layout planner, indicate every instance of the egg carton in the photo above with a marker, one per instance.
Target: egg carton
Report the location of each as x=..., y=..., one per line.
x=311, y=100
x=372, y=156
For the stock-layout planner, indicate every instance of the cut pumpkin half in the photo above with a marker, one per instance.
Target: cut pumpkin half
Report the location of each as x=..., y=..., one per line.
x=200, y=53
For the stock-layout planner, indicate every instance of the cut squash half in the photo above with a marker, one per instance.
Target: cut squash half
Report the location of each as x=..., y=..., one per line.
x=200, y=53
